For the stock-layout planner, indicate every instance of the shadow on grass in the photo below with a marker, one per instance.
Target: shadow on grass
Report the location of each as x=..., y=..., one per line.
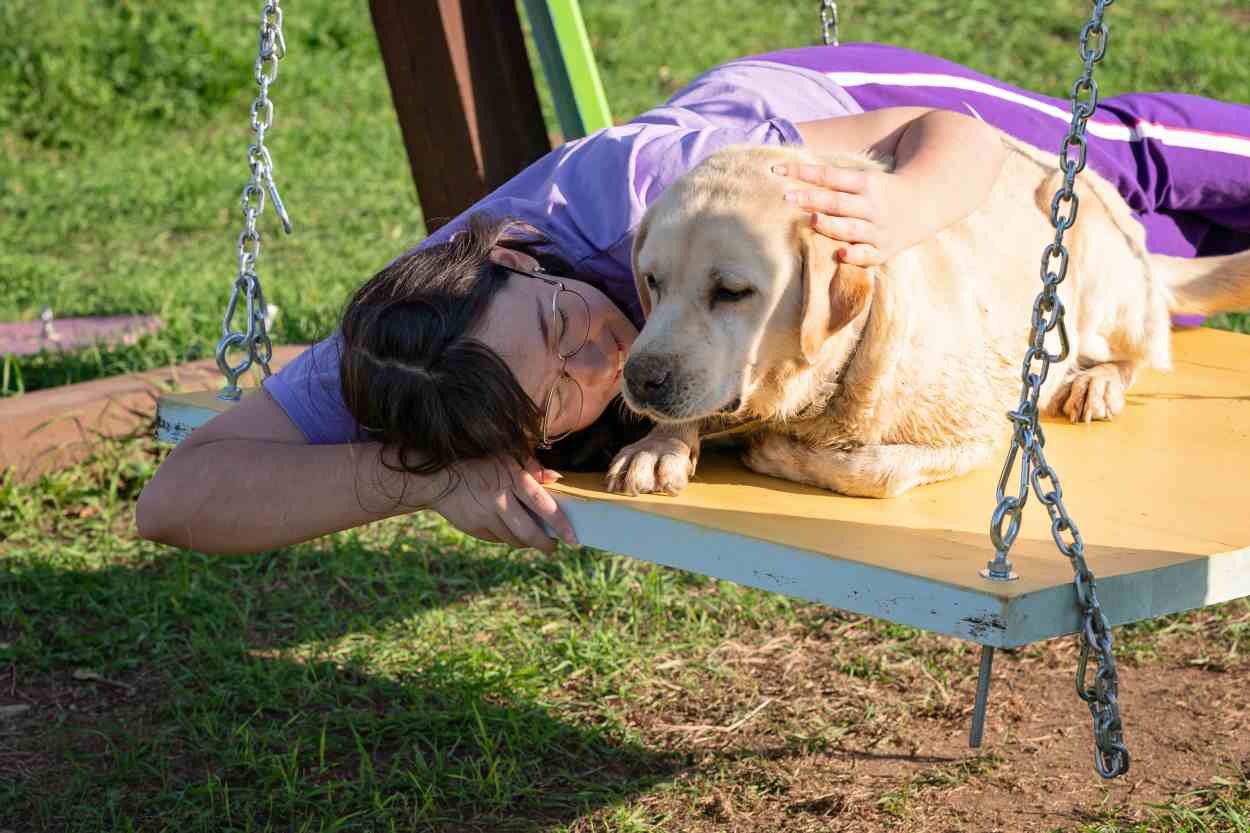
x=292, y=690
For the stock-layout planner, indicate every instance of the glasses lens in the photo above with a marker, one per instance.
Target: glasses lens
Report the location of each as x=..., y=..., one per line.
x=564, y=410
x=574, y=321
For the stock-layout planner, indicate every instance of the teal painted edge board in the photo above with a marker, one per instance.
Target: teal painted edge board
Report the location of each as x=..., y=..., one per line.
x=569, y=66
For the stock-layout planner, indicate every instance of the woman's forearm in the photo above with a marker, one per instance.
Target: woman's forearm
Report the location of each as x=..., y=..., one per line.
x=947, y=164
x=241, y=496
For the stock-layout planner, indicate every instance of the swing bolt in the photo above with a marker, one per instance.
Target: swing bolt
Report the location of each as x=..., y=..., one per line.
x=983, y=696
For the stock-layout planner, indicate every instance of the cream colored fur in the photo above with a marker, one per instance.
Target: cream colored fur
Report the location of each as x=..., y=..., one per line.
x=871, y=382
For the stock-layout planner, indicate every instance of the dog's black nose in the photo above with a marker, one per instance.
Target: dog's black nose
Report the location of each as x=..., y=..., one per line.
x=649, y=378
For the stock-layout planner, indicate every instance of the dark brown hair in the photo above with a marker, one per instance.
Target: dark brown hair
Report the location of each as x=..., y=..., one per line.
x=415, y=380
x=414, y=377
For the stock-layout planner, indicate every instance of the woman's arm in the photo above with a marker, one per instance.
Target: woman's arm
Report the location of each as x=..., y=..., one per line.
x=248, y=481
x=945, y=164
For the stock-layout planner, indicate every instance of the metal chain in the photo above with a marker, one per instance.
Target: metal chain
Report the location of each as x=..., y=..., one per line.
x=247, y=283
x=829, y=22
x=1111, y=757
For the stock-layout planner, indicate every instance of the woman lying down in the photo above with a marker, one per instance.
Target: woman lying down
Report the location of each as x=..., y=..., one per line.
x=502, y=338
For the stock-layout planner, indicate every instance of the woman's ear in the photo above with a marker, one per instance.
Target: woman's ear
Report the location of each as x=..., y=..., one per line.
x=640, y=282
x=834, y=293
x=511, y=257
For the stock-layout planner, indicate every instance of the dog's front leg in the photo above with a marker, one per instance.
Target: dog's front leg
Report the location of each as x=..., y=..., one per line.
x=868, y=471
x=663, y=461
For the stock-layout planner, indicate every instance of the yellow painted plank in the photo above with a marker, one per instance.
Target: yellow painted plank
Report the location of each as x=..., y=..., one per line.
x=1163, y=484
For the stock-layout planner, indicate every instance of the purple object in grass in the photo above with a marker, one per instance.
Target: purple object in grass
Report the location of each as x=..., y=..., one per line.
x=27, y=338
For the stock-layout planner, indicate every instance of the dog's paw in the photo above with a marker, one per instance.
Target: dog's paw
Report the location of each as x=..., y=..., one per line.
x=1094, y=393
x=653, y=464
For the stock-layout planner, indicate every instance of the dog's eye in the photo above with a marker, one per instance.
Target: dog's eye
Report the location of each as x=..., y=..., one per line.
x=729, y=296
x=652, y=283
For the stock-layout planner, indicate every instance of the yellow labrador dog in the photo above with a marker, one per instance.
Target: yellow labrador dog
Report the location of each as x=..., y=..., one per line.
x=872, y=381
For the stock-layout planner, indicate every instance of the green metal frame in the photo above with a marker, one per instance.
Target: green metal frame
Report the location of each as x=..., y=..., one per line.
x=569, y=66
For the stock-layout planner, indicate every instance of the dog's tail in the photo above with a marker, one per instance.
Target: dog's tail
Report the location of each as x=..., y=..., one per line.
x=1206, y=285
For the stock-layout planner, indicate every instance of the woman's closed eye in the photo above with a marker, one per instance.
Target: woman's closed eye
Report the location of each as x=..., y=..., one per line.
x=562, y=325
x=557, y=399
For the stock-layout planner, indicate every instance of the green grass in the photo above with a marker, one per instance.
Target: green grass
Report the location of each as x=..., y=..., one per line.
x=402, y=676
x=399, y=673
x=120, y=210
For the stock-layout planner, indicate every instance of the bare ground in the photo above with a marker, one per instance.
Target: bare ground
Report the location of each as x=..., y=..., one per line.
x=843, y=728
x=784, y=739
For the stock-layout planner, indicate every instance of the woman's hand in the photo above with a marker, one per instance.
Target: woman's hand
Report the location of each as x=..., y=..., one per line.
x=945, y=166
x=495, y=499
x=852, y=207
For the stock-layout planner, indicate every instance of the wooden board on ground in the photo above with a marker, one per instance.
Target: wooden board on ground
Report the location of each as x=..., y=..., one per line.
x=44, y=430
x=1160, y=497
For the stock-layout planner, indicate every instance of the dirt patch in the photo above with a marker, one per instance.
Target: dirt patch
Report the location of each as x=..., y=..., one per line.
x=78, y=701
x=786, y=735
x=834, y=723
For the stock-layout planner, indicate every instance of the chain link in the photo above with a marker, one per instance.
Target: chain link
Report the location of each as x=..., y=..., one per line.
x=255, y=339
x=1111, y=757
x=829, y=22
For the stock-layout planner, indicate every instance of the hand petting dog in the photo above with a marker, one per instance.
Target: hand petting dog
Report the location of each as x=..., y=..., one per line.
x=852, y=208
x=939, y=166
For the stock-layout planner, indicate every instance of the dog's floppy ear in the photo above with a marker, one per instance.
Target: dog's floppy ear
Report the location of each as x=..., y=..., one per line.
x=640, y=283
x=833, y=292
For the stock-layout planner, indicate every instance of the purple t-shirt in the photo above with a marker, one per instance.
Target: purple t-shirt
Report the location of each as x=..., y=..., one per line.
x=1182, y=163
x=588, y=196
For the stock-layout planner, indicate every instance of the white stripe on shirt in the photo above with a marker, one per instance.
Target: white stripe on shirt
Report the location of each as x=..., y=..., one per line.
x=1181, y=137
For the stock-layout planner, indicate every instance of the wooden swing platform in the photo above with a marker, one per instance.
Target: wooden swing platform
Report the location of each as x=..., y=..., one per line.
x=1160, y=496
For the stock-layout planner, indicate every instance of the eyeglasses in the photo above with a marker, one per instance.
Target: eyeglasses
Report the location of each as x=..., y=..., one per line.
x=570, y=322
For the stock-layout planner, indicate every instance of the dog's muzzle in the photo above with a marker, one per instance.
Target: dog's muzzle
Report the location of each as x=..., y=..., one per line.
x=649, y=380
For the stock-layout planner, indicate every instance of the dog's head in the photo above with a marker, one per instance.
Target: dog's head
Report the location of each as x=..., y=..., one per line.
x=739, y=293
